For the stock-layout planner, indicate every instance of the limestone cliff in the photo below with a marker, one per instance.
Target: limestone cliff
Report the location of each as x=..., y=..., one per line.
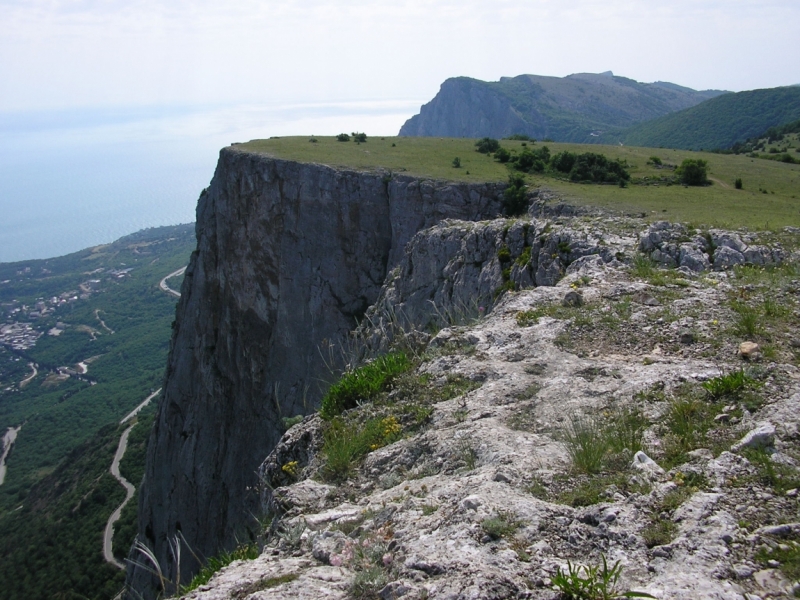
x=288, y=257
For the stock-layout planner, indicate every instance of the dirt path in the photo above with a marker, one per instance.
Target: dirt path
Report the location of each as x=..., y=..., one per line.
x=108, y=536
x=722, y=183
x=29, y=378
x=136, y=410
x=8, y=441
x=102, y=323
x=163, y=284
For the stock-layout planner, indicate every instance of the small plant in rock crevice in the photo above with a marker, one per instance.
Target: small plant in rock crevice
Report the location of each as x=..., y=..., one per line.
x=501, y=525
x=592, y=582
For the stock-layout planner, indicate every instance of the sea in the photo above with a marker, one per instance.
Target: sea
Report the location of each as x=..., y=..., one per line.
x=71, y=179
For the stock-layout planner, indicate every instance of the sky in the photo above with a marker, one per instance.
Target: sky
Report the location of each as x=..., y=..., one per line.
x=62, y=55
x=112, y=112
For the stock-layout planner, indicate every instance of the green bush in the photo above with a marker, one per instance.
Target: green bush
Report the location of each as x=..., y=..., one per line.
x=656, y=161
x=693, y=172
x=502, y=155
x=487, y=145
x=362, y=384
x=359, y=137
x=533, y=161
x=342, y=137
x=520, y=137
x=456, y=163
x=514, y=197
x=738, y=183
x=597, y=168
x=564, y=161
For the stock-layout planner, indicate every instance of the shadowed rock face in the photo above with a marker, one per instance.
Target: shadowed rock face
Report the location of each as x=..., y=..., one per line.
x=289, y=256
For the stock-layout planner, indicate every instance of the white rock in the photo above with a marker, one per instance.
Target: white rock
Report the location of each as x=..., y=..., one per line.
x=762, y=436
x=644, y=463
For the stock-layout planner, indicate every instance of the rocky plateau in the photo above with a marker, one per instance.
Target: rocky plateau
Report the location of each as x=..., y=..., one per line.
x=581, y=389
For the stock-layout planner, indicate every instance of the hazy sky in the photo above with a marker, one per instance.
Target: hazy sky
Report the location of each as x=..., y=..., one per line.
x=106, y=53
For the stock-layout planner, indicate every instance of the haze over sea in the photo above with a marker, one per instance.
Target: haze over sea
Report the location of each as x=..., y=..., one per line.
x=74, y=179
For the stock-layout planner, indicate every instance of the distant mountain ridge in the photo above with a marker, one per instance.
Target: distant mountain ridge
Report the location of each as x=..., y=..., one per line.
x=576, y=108
x=717, y=123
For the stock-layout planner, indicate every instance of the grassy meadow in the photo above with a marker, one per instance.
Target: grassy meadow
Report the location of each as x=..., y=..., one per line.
x=717, y=205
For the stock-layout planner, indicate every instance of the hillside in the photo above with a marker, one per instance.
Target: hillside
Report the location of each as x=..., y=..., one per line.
x=717, y=123
x=569, y=109
x=83, y=341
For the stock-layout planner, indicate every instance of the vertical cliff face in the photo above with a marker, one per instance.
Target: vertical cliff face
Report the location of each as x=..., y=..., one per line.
x=289, y=256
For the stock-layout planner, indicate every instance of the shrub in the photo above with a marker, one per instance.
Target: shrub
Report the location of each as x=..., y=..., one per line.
x=738, y=183
x=514, y=197
x=502, y=155
x=521, y=137
x=596, y=168
x=533, y=161
x=487, y=145
x=363, y=383
x=564, y=161
x=693, y=172
x=456, y=163
x=359, y=137
x=342, y=137
x=656, y=161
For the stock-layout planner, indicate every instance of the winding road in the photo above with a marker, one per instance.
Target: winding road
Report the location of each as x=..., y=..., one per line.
x=28, y=379
x=163, y=283
x=108, y=536
x=8, y=441
x=136, y=410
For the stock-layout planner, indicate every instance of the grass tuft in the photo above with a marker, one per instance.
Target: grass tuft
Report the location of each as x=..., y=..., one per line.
x=363, y=384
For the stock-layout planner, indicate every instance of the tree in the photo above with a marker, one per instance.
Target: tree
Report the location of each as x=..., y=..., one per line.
x=515, y=199
x=502, y=155
x=342, y=137
x=693, y=172
x=359, y=137
x=487, y=145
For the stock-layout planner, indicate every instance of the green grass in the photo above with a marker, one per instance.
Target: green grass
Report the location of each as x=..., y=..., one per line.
x=363, y=383
x=718, y=205
x=216, y=563
x=501, y=525
x=346, y=442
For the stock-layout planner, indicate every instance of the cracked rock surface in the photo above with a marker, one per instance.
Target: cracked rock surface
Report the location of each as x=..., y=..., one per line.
x=484, y=496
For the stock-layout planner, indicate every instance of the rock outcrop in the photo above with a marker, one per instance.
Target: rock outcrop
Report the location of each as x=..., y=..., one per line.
x=491, y=495
x=289, y=256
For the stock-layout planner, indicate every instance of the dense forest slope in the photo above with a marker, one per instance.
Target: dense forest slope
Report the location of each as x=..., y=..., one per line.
x=83, y=340
x=717, y=123
x=575, y=108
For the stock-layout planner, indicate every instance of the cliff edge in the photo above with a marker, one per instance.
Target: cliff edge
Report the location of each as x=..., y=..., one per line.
x=289, y=256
